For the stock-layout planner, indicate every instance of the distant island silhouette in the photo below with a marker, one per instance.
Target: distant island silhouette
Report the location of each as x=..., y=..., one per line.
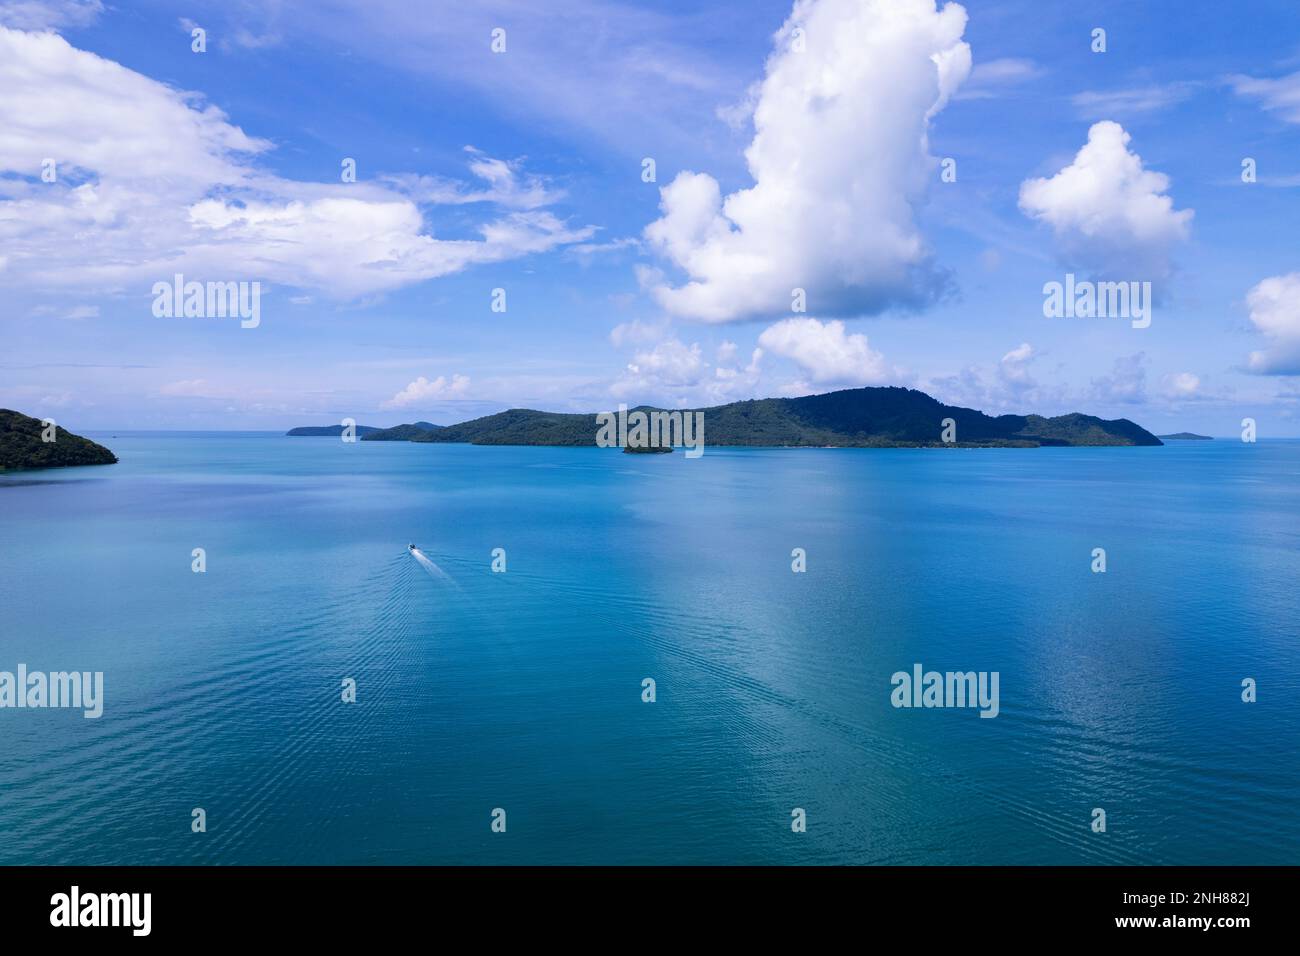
x=327, y=431
x=334, y=431
x=871, y=417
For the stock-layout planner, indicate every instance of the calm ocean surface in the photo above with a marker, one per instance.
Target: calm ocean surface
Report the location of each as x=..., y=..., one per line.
x=522, y=690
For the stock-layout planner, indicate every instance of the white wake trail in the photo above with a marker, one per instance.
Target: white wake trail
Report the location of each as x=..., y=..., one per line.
x=433, y=569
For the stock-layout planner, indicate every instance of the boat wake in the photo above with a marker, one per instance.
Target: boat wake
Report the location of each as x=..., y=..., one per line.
x=428, y=565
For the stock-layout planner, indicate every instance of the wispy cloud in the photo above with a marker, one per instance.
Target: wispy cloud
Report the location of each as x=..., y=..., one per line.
x=507, y=184
x=49, y=14
x=152, y=181
x=1108, y=104
x=1280, y=95
x=590, y=67
x=994, y=78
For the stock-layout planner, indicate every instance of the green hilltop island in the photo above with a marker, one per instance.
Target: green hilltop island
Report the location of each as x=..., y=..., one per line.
x=873, y=417
x=336, y=431
x=1185, y=436
x=23, y=445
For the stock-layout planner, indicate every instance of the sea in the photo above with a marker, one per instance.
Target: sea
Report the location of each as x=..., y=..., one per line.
x=602, y=658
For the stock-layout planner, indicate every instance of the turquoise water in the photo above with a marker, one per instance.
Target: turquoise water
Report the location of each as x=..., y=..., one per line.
x=522, y=690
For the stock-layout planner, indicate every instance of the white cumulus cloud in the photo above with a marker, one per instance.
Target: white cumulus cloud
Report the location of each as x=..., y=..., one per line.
x=826, y=352
x=671, y=362
x=1125, y=384
x=1013, y=370
x=671, y=373
x=1012, y=385
x=1275, y=312
x=422, y=390
x=1182, y=385
x=839, y=156
x=637, y=332
x=1110, y=215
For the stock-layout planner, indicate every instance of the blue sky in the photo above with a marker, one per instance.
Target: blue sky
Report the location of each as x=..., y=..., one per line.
x=522, y=171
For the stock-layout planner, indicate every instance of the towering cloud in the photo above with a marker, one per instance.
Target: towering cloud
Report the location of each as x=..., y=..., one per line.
x=839, y=156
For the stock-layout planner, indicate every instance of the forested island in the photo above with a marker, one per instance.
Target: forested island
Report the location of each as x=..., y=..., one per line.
x=23, y=445
x=872, y=417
